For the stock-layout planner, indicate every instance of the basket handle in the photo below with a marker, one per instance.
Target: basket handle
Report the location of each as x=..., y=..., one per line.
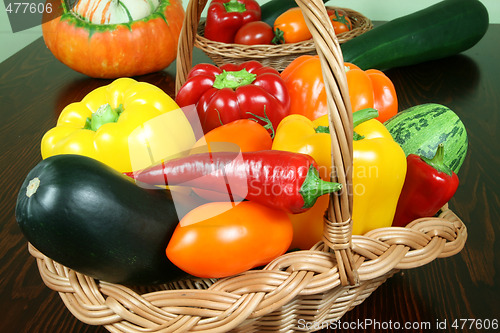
x=338, y=225
x=187, y=36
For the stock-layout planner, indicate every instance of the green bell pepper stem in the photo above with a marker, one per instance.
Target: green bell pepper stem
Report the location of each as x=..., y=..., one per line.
x=235, y=6
x=358, y=117
x=105, y=114
x=314, y=187
x=363, y=115
x=233, y=79
x=437, y=162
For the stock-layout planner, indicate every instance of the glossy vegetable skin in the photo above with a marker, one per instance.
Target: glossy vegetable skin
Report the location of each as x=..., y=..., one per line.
x=297, y=133
x=255, y=33
x=231, y=92
x=278, y=179
x=340, y=21
x=222, y=239
x=441, y=30
x=121, y=124
x=379, y=168
x=114, y=50
x=90, y=218
x=240, y=135
x=367, y=89
x=246, y=134
x=371, y=89
x=428, y=186
x=226, y=17
x=291, y=26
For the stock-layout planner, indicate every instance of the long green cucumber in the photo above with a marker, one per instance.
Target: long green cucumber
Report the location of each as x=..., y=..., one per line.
x=441, y=30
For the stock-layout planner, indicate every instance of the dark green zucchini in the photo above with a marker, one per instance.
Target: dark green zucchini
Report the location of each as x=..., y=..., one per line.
x=96, y=221
x=444, y=29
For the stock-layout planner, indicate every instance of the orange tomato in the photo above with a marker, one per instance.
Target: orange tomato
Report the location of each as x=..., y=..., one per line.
x=221, y=239
x=293, y=25
x=371, y=88
x=340, y=21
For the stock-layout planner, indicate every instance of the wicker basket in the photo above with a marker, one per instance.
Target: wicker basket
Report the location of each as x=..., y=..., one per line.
x=276, y=56
x=312, y=286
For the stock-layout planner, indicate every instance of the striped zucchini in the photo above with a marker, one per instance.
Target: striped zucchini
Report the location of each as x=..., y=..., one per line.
x=420, y=129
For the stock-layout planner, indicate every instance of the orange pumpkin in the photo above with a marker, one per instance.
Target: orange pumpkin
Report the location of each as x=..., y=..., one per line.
x=117, y=50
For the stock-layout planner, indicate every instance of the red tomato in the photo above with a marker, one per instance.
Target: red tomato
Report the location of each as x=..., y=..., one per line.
x=221, y=239
x=253, y=33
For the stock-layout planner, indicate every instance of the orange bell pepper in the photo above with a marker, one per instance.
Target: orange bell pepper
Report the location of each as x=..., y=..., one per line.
x=367, y=89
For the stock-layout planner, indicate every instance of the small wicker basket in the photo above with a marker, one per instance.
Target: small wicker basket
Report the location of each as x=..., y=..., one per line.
x=317, y=285
x=276, y=56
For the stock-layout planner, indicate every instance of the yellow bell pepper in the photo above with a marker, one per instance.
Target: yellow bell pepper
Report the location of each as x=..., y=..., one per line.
x=127, y=125
x=379, y=170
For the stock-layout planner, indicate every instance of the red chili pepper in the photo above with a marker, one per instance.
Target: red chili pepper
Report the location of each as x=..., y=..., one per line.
x=429, y=184
x=225, y=17
x=279, y=179
x=231, y=92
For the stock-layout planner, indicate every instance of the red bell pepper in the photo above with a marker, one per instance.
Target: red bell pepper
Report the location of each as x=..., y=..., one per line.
x=429, y=184
x=226, y=17
x=231, y=92
x=279, y=179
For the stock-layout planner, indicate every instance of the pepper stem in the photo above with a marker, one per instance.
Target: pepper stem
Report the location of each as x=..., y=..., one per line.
x=268, y=124
x=358, y=117
x=105, y=114
x=279, y=37
x=234, y=6
x=363, y=115
x=437, y=162
x=337, y=17
x=314, y=187
x=233, y=79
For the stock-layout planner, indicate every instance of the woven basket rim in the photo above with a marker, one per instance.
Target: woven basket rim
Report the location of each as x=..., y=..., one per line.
x=360, y=24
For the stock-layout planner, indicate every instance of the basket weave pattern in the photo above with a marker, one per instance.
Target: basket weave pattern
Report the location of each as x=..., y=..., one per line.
x=316, y=285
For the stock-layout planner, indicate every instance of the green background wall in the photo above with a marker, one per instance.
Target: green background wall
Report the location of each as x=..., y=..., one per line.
x=382, y=10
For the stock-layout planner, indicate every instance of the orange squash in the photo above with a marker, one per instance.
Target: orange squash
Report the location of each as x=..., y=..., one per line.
x=110, y=51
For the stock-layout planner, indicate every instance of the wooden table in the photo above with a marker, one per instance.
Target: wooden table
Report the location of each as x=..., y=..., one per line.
x=462, y=290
